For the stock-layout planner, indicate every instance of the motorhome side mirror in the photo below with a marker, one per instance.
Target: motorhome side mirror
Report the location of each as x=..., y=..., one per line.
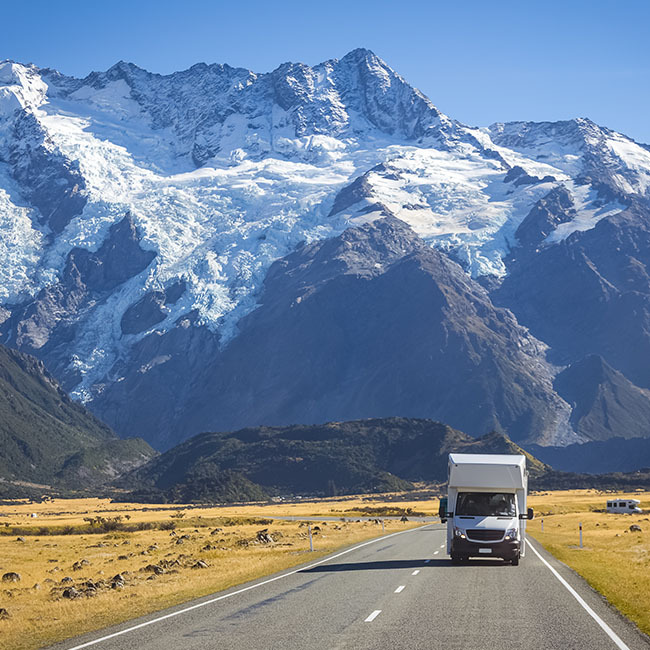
x=442, y=509
x=528, y=515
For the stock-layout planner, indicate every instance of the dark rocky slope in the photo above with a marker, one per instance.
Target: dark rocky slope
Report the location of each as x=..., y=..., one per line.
x=46, y=438
x=370, y=323
x=336, y=458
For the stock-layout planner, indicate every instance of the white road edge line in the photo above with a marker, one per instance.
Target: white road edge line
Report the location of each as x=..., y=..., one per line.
x=240, y=591
x=373, y=616
x=415, y=572
x=399, y=589
x=608, y=630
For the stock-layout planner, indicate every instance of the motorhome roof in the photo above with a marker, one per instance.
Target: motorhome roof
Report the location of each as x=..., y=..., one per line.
x=488, y=471
x=488, y=459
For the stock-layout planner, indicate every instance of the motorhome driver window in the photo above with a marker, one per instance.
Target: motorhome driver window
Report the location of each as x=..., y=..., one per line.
x=486, y=504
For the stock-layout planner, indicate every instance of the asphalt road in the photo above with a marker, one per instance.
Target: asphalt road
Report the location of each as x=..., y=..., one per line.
x=400, y=592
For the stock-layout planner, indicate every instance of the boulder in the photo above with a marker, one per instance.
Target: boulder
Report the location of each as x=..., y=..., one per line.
x=11, y=576
x=200, y=565
x=71, y=593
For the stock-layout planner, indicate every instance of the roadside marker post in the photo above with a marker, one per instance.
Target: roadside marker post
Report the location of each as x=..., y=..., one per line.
x=383, y=528
x=311, y=539
x=580, y=525
x=542, y=525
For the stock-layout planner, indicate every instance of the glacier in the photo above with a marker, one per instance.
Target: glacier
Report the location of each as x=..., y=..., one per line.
x=224, y=171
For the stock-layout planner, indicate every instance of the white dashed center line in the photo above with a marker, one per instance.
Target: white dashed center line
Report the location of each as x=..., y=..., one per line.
x=415, y=572
x=400, y=589
x=436, y=552
x=373, y=616
x=442, y=546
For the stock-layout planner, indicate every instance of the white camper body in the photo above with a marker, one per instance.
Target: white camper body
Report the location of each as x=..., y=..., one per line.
x=624, y=506
x=486, y=509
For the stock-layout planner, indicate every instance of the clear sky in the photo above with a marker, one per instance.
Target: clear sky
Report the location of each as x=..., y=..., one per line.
x=478, y=61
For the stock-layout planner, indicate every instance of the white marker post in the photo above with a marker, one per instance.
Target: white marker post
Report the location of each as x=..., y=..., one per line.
x=542, y=525
x=311, y=539
x=383, y=528
x=580, y=525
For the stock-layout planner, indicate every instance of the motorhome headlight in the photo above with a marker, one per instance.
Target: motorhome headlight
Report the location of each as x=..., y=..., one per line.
x=459, y=532
x=512, y=534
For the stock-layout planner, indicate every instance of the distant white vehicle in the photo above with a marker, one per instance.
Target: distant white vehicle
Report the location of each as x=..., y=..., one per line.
x=485, y=507
x=624, y=506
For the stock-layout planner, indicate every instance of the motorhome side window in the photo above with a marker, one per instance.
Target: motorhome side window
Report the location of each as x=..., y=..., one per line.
x=486, y=504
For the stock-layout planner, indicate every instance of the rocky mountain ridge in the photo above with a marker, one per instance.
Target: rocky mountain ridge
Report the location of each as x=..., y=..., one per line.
x=150, y=224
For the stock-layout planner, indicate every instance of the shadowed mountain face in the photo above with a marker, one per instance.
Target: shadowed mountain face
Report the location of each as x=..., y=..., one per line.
x=590, y=295
x=338, y=457
x=372, y=322
x=603, y=400
x=45, y=437
x=210, y=249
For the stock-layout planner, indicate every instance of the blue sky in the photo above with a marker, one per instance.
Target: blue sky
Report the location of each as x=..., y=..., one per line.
x=479, y=62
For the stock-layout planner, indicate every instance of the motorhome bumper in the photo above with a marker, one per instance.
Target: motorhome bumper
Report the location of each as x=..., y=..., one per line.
x=506, y=549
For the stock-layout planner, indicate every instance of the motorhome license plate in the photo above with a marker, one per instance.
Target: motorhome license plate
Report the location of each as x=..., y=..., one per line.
x=485, y=550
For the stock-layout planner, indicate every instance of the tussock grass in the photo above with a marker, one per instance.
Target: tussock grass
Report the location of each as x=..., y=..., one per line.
x=614, y=561
x=226, y=539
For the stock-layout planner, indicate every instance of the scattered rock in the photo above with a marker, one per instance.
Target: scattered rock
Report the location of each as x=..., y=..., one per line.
x=11, y=576
x=216, y=531
x=200, y=565
x=404, y=518
x=4, y=614
x=80, y=564
x=635, y=528
x=71, y=593
x=264, y=537
x=66, y=580
x=36, y=586
x=153, y=568
x=20, y=539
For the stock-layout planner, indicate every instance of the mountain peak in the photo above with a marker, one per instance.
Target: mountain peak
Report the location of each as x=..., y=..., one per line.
x=361, y=54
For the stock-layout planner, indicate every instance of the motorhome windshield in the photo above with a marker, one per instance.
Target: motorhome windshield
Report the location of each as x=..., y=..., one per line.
x=486, y=504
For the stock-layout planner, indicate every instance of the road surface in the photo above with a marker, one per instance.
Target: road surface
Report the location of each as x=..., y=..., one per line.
x=399, y=592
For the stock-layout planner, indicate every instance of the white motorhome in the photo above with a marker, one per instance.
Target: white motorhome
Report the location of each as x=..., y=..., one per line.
x=485, y=508
x=624, y=506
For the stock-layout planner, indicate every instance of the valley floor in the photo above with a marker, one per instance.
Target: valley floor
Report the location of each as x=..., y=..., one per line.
x=126, y=560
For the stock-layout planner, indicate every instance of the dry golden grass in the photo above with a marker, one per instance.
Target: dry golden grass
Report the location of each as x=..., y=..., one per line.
x=615, y=561
x=40, y=616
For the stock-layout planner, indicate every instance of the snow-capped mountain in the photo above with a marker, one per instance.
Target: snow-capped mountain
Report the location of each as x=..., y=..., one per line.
x=140, y=215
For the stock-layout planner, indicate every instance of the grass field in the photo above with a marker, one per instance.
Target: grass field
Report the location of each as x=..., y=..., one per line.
x=156, y=555
x=614, y=560
x=158, y=566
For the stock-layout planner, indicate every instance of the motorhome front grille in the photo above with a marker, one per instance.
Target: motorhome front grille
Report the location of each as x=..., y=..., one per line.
x=484, y=535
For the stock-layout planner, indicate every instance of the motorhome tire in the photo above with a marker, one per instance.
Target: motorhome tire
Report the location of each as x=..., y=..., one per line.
x=515, y=560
